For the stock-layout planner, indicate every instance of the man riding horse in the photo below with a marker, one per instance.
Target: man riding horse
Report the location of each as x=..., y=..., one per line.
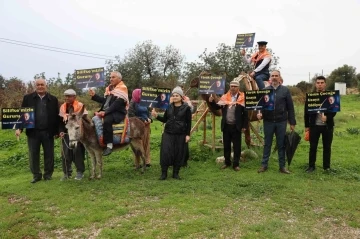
x=261, y=61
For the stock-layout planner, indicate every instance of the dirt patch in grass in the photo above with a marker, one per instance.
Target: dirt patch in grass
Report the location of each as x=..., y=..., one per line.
x=336, y=229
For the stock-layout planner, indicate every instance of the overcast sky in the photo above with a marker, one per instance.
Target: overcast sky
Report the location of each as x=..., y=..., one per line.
x=308, y=35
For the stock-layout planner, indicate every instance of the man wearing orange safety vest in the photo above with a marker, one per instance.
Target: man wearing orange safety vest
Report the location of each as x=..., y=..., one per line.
x=76, y=155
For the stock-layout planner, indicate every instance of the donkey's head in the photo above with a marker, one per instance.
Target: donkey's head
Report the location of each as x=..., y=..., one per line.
x=75, y=127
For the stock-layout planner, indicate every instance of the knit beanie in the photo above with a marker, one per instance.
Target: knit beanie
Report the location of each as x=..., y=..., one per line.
x=178, y=90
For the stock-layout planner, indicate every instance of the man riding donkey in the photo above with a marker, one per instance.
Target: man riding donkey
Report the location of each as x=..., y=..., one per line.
x=261, y=61
x=113, y=109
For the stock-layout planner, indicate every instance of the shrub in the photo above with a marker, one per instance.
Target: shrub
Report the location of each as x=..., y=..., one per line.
x=353, y=131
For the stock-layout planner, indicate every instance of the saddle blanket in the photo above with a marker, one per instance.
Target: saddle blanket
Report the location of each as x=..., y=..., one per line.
x=120, y=137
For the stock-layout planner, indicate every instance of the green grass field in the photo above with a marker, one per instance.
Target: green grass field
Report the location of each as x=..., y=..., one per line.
x=206, y=203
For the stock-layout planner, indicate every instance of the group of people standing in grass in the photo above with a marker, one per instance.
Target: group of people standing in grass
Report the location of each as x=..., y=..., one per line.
x=235, y=119
x=50, y=121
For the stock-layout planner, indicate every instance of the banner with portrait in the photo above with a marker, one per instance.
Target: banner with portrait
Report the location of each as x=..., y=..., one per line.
x=18, y=118
x=88, y=78
x=155, y=97
x=212, y=85
x=245, y=40
x=259, y=99
x=327, y=101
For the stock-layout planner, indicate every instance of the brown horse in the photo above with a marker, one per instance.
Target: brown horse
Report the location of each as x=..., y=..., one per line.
x=246, y=83
x=80, y=128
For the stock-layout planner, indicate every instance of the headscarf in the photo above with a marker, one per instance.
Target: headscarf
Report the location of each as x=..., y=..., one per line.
x=136, y=95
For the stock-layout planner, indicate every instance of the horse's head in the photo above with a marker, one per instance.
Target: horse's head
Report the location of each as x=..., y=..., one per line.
x=246, y=82
x=75, y=127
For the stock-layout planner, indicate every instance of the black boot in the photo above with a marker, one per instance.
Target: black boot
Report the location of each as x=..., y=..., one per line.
x=163, y=175
x=176, y=173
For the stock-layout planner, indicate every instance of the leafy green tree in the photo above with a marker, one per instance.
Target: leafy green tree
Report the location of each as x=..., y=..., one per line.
x=147, y=65
x=225, y=60
x=12, y=93
x=304, y=86
x=345, y=74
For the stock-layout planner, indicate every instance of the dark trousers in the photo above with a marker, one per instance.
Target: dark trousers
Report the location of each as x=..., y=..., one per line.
x=76, y=155
x=279, y=129
x=186, y=154
x=172, y=151
x=231, y=135
x=108, y=129
x=41, y=138
x=327, y=137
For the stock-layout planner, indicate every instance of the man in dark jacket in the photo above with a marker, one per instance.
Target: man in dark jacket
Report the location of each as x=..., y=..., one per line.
x=234, y=121
x=46, y=110
x=113, y=108
x=321, y=123
x=275, y=121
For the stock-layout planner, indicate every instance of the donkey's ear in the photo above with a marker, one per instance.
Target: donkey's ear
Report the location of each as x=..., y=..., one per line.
x=82, y=111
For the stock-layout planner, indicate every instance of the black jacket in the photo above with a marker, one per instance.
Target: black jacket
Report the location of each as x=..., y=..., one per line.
x=241, y=115
x=283, y=106
x=310, y=119
x=52, y=107
x=177, y=121
x=117, y=106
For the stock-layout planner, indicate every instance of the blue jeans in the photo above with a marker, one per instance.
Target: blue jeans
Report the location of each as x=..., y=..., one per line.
x=260, y=80
x=279, y=128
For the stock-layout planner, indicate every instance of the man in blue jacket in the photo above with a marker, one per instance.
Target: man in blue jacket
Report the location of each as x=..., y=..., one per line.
x=275, y=122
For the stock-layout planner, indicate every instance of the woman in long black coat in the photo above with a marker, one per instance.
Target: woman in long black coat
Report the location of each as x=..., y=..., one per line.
x=177, y=119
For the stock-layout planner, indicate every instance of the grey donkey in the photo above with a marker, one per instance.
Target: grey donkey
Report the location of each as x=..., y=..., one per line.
x=80, y=128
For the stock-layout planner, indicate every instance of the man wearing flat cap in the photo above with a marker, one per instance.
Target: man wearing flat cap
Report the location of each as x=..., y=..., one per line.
x=261, y=61
x=234, y=121
x=77, y=155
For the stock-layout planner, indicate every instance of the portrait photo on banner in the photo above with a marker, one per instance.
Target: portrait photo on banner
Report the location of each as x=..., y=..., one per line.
x=155, y=97
x=327, y=101
x=17, y=118
x=245, y=40
x=212, y=85
x=259, y=99
x=90, y=78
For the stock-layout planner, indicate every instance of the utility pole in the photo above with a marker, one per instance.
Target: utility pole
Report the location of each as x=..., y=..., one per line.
x=309, y=77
